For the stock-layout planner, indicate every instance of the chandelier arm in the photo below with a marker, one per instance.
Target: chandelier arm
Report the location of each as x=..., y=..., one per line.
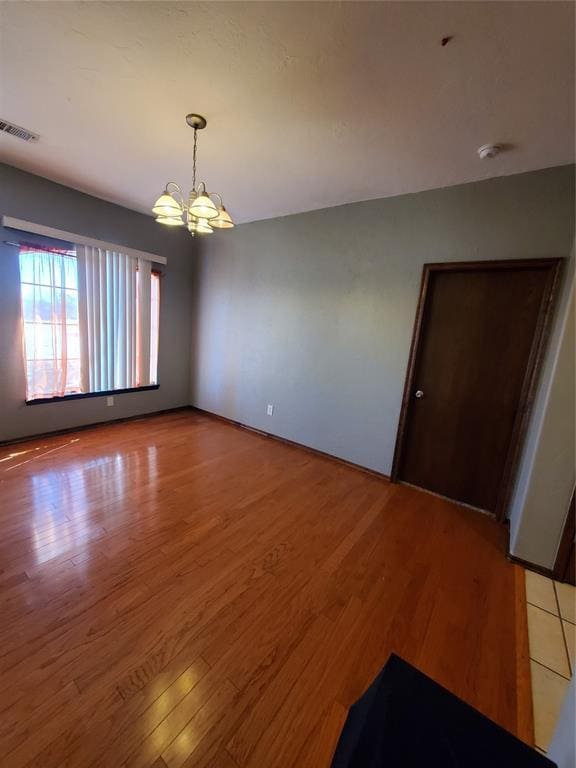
x=178, y=190
x=218, y=195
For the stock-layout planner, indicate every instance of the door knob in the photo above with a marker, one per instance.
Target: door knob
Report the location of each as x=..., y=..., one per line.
x=419, y=394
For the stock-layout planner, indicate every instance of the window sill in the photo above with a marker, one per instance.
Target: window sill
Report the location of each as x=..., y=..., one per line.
x=84, y=395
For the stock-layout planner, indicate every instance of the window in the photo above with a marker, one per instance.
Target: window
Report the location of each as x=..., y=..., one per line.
x=90, y=321
x=49, y=285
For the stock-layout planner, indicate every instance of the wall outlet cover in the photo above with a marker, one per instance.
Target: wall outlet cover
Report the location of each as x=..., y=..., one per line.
x=110, y=400
x=270, y=409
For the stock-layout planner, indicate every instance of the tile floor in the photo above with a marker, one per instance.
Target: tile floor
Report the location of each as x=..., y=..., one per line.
x=551, y=635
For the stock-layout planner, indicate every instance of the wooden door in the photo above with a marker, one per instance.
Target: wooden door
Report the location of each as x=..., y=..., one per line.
x=477, y=343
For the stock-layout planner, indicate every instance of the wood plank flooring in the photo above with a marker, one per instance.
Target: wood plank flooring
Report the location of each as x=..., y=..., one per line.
x=176, y=591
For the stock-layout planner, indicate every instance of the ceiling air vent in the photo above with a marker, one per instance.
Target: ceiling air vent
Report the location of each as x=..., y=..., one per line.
x=17, y=131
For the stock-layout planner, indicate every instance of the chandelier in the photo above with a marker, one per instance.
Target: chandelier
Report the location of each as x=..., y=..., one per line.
x=200, y=214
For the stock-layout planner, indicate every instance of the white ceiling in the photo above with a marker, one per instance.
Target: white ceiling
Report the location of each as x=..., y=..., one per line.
x=308, y=104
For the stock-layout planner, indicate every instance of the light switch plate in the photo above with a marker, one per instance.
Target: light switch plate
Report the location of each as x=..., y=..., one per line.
x=270, y=409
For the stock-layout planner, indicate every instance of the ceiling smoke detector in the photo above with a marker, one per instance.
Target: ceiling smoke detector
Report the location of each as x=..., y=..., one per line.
x=489, y=150
x=17, y=131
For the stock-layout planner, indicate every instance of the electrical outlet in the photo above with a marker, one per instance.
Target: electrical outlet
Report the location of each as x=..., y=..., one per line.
x=110, y=400
x=270, y=409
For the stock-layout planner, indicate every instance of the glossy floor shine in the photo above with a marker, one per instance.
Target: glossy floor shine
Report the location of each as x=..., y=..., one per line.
x=176, y=591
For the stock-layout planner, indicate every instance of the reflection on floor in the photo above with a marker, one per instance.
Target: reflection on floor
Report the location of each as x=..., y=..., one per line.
x=551, y=635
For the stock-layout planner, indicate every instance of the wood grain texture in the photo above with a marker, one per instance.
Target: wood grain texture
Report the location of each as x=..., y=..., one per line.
x=476, y=351
x=177, y=591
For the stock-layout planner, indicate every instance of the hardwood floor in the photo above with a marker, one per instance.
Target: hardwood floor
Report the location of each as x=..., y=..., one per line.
x=177, y=591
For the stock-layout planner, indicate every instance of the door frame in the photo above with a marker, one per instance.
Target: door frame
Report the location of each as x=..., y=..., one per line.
x=560, y=571
x=535, y=359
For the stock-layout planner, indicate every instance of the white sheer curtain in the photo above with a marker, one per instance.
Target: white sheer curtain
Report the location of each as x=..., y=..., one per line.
x=50, y=322
x=114, y=300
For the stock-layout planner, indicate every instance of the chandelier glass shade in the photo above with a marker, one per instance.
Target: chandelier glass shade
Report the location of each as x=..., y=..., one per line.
x=223, y=220
x=200, y=214
x=167, y=206
x=199, y=226
x=170, y=221
x=203, y=208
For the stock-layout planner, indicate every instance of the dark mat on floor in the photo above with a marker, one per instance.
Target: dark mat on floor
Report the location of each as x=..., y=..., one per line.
x=406, y=720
